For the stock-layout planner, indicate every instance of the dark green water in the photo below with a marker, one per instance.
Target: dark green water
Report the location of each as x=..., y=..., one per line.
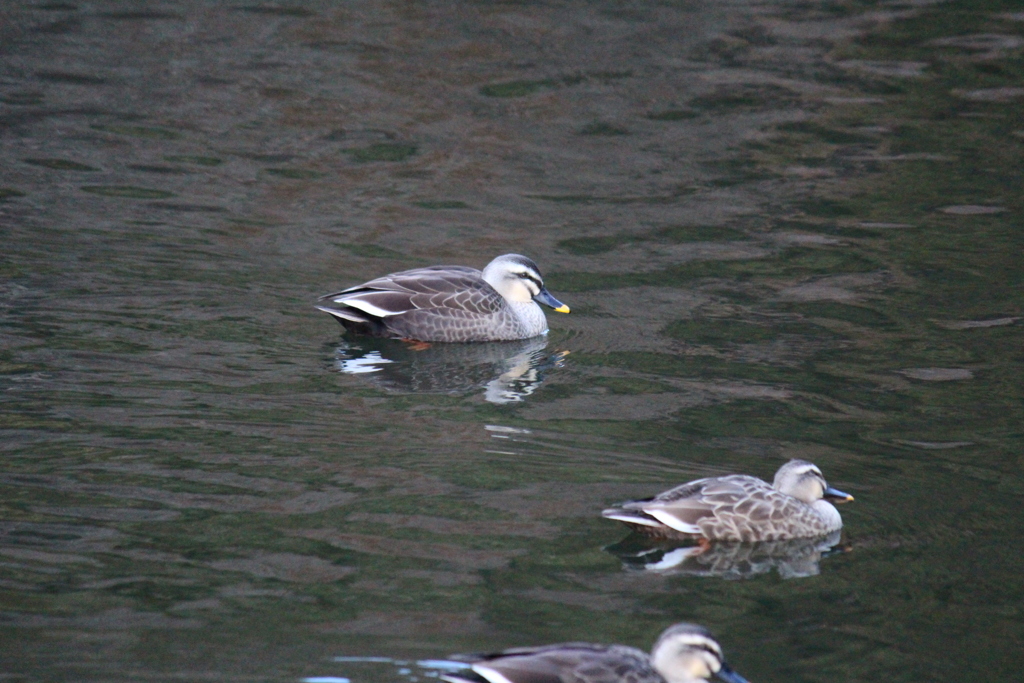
x=786, y=229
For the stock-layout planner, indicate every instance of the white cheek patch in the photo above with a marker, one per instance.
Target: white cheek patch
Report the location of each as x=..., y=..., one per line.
x=700, y=668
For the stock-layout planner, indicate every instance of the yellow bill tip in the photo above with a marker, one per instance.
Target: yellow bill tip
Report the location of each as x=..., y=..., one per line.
x=562, y=309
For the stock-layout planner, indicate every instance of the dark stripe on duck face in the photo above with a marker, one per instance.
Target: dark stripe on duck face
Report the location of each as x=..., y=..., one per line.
x=537, y=284
x=711, y=648
x=692, y=636
x=813, y=472
x=699, y=641
x=525, y=262
x=531, y=276
x=530, y=270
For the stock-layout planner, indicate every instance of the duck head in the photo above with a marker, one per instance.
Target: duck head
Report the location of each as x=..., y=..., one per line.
x=687, y=653
x=517, y=278
x=804, y=481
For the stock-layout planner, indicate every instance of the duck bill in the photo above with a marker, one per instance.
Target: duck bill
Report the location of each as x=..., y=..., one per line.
x=836, y=496
x=729, y=676
x=544, y=297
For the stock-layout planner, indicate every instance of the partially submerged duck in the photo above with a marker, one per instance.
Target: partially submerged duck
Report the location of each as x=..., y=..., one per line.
x=739, y=507
x=684, y=653
x=449, y=303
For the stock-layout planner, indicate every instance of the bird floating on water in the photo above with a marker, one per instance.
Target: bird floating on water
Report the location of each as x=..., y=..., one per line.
x=738, y=507
x=684, y=653
x=449, y=303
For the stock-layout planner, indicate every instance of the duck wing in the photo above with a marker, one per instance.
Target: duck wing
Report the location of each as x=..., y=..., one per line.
x=564, y=663
x=455, y=288
x=735, y=507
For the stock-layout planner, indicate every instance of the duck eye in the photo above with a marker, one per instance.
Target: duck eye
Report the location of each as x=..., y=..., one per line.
x=529, y=277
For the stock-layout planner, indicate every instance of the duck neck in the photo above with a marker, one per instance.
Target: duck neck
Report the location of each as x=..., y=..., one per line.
x=530, y=315
x=828, y=513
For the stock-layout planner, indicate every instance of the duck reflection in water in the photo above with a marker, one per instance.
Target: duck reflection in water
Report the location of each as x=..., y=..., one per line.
x=506, y=371
x=792, y=558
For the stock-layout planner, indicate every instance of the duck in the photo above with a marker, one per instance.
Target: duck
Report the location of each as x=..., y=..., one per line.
x=684, y=653
x=449, y=303
x=739, y=507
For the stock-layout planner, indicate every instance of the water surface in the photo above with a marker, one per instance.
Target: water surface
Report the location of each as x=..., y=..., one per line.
x=785, y=229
